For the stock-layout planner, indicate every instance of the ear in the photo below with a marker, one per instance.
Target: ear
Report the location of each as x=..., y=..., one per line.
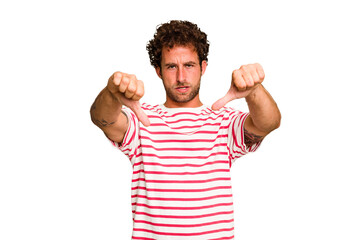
x=158, y=71
x=203, y=67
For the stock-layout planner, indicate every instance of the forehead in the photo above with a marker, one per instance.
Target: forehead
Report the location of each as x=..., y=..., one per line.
x=179, y=53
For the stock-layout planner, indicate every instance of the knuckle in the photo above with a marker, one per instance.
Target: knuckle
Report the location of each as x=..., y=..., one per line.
x=125, y=80
x=131, y=88
x=247, y=76
x=116, y=77
x=239, y=84
x=262, y=75
x=123, y=87
x=117, y=74
x=140, y=93
x=236, y=74
x=251, y=68
x=140, y=83
x=260, y=70
x=132, y=77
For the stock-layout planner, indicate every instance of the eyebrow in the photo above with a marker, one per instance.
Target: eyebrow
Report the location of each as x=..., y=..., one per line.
x=174, y=64
x=191, y=62
x=170, y=64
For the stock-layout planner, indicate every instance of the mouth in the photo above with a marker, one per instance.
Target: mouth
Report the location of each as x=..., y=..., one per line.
x=182, y=89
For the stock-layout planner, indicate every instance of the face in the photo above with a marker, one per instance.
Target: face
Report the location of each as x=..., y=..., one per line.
x=181, y=74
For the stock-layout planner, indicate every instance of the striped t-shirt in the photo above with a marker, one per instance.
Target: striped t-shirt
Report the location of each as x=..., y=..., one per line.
x=181, y=185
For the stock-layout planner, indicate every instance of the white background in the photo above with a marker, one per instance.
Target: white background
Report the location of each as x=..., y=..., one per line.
x=61, y=179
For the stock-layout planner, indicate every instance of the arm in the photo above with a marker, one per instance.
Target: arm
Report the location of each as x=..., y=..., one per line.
x=106, y=111
x=264, y=114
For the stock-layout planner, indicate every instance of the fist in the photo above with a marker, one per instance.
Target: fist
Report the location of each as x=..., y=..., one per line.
x=128, y=90
x=244, y=81
x=248, y=76
x=126, y=85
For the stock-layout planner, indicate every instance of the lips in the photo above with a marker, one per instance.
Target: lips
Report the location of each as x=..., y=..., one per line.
x=183, y=89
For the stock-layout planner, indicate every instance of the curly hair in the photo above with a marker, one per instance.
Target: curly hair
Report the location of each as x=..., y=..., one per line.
x=175, y=32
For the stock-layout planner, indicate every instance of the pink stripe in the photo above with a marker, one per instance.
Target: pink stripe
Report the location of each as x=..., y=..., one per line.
x=205, y=110
x=241, y=126
x=181, y=181
x=178, y=165
x=184, y=234
x=257, y=146
x=234, y=135
x=128, y=148
x=142, y=238
x=181, y=157
x=239, y=153
x=182, y=113
x=176, y=133
x=128, y=141
x=183, y=127
x=184, y=217
x=184, y=140
x=183, y=225
x=188, y=119
x=254, y=147
x=223, y=238
x=155, y=108
x=125, y=141
x=184, y=149
x=182, y=199
x=180, y=173
x=180, y=190
x=182, y=208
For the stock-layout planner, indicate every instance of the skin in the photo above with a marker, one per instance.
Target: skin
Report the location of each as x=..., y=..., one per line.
x=181, y=73
x=264, y=115
x=122, y=89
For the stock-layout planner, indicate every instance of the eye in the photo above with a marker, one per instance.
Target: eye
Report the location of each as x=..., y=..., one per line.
x=171, y=67
x=189, y=65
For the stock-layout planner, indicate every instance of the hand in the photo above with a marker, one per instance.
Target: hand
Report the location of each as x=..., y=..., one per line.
x=244, y=81
x=128, y=90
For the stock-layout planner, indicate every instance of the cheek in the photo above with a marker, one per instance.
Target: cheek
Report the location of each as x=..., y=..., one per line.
x=196, y=74
x=169, y=77
x=166, y=81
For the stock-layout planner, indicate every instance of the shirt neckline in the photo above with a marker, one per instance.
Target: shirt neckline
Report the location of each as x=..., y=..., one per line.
x=183, y=109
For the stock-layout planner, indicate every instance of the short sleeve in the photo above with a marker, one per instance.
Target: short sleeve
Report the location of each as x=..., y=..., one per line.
x=131, y=141
x=236, y=142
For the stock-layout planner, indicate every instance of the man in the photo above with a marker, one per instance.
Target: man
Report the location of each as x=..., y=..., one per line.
x=181, y=151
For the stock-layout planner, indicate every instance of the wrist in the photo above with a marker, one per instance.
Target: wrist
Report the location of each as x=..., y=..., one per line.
x=113, y=97
x=253, y=94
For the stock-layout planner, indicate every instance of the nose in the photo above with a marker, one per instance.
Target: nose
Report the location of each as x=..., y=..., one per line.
x=180, y=75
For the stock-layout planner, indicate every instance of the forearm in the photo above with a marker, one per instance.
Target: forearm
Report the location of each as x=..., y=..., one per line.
x=264, y=113
x=105, y=110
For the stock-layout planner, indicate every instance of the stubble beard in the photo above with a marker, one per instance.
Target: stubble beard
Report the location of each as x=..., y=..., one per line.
x=185, y=97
